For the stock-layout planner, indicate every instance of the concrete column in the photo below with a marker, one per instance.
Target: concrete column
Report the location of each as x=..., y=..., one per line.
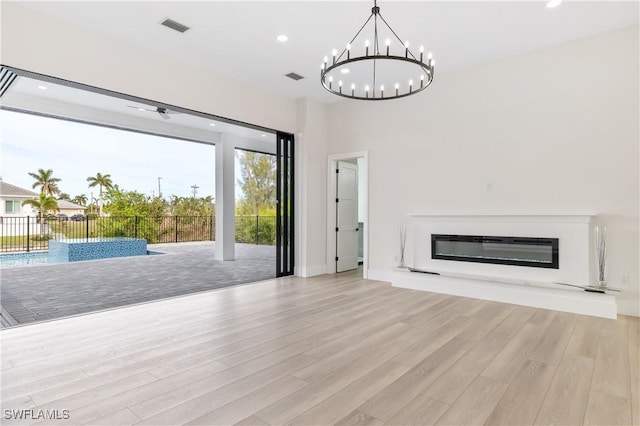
x=225, y=198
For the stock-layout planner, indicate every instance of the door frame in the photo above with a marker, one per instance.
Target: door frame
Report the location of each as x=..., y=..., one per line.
x=285, y=204
x=332, y=164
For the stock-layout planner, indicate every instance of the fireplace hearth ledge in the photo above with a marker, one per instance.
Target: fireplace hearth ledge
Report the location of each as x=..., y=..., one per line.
x=518, y=292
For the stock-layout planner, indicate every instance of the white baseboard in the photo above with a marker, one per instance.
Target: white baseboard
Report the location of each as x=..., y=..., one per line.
x=380, y=275
x=565, y=300
x=628, y=307
x=310, y=271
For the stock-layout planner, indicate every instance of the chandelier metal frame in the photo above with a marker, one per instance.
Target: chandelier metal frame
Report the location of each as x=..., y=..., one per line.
x=428, y=67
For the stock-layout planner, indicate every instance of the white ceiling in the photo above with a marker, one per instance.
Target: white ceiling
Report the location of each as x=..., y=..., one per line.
x=54, y=99
x=57, y=100
x=238, y=38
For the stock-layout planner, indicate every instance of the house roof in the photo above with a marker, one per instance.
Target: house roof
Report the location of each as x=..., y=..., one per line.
x=9, y=190
x=64, y=204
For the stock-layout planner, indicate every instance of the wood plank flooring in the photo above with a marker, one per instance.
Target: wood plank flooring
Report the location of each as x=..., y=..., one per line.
x=334, y=349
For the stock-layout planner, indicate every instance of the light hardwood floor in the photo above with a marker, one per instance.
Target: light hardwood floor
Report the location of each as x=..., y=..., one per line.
x=334, y=349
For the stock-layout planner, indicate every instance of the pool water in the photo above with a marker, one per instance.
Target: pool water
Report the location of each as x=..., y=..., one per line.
x=24, y=259
x=16, y=260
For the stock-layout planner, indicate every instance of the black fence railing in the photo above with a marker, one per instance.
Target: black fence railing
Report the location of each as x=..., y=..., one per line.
x=30, y=234
x=256, y=230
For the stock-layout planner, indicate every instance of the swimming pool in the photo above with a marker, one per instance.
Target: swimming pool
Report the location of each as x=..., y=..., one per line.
x=73, y=250
x=76, y=249
x=15, y=260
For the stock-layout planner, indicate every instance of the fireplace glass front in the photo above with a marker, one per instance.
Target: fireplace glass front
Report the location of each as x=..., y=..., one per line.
x=520, y=251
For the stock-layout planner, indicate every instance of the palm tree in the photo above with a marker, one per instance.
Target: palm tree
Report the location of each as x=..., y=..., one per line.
x=43, y=204
x=80, y=199
x=64, y=196
x=45, y=180
x=101, y=181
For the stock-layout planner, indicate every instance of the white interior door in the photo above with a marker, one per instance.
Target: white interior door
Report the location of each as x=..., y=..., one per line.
x=346, y=217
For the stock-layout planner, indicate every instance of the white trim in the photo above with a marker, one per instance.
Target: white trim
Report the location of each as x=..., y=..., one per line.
x=381, y=275
x=574, y=301
x=332, y=164
x=502, y=218
x=310, y=271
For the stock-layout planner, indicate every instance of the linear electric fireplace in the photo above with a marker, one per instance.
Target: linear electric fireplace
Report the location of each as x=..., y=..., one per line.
x=520, y=251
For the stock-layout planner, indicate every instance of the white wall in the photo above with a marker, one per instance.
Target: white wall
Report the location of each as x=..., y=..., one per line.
x=47, y=45
x=554, y=131
x=311, y=192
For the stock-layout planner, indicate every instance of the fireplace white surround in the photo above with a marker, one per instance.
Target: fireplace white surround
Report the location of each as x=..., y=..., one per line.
x=519, y=285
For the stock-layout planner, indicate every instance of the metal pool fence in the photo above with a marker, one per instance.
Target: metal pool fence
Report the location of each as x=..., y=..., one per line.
x=20, y=234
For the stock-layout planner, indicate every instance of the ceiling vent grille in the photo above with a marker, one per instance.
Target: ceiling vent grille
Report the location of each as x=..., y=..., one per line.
x=294, y=76
x=6, y=80
x=170, y=23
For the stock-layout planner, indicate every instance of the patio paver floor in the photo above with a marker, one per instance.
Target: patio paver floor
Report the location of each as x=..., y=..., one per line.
x=44, y=292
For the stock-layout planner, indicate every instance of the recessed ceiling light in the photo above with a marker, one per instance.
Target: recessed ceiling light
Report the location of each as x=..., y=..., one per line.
x=41, y=87
x=264, y=136
x=212, y=124
x=140, y=109
x=553, y=3
x=345, y=70
x=282, y=38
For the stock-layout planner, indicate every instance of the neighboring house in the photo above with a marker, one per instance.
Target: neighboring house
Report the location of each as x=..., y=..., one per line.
x=11, y=198
x=69, y=208
x=13, y=215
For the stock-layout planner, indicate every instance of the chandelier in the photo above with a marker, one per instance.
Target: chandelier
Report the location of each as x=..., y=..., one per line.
x=381, y=73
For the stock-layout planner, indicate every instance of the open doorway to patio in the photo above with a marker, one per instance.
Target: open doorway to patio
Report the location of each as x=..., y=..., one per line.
x=179, y=224
x=255, y=208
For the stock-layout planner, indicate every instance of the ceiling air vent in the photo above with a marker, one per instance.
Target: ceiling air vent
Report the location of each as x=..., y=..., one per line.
x=294, y=76
x=170, y=23
x=7, y=78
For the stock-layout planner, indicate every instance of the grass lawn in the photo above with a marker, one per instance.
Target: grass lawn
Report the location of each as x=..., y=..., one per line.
x=72, y=229
x=19, y=243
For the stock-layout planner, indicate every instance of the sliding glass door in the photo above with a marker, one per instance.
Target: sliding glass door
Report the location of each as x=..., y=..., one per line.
x=284, y=205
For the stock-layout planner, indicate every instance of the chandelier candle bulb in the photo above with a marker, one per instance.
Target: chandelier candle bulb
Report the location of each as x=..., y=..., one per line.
x=334, y=52
x=382, y=91
x=348, y=51
x=353, y=89
x=340, y=85
x=366, y=48
x=366, y=89
x=397, y=87
x=422, y=80
x=410, y=86
x=387, y=42
x=421, y=52
x=330, y=82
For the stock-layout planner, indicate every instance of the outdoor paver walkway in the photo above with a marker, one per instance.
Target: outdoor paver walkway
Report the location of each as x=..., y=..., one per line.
x=45, y=292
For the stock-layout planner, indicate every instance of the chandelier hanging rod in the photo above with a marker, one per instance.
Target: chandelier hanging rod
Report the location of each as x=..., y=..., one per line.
x=375, y=11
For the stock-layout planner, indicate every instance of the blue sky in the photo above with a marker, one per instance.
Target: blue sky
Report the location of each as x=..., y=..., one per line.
x=75, y=151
